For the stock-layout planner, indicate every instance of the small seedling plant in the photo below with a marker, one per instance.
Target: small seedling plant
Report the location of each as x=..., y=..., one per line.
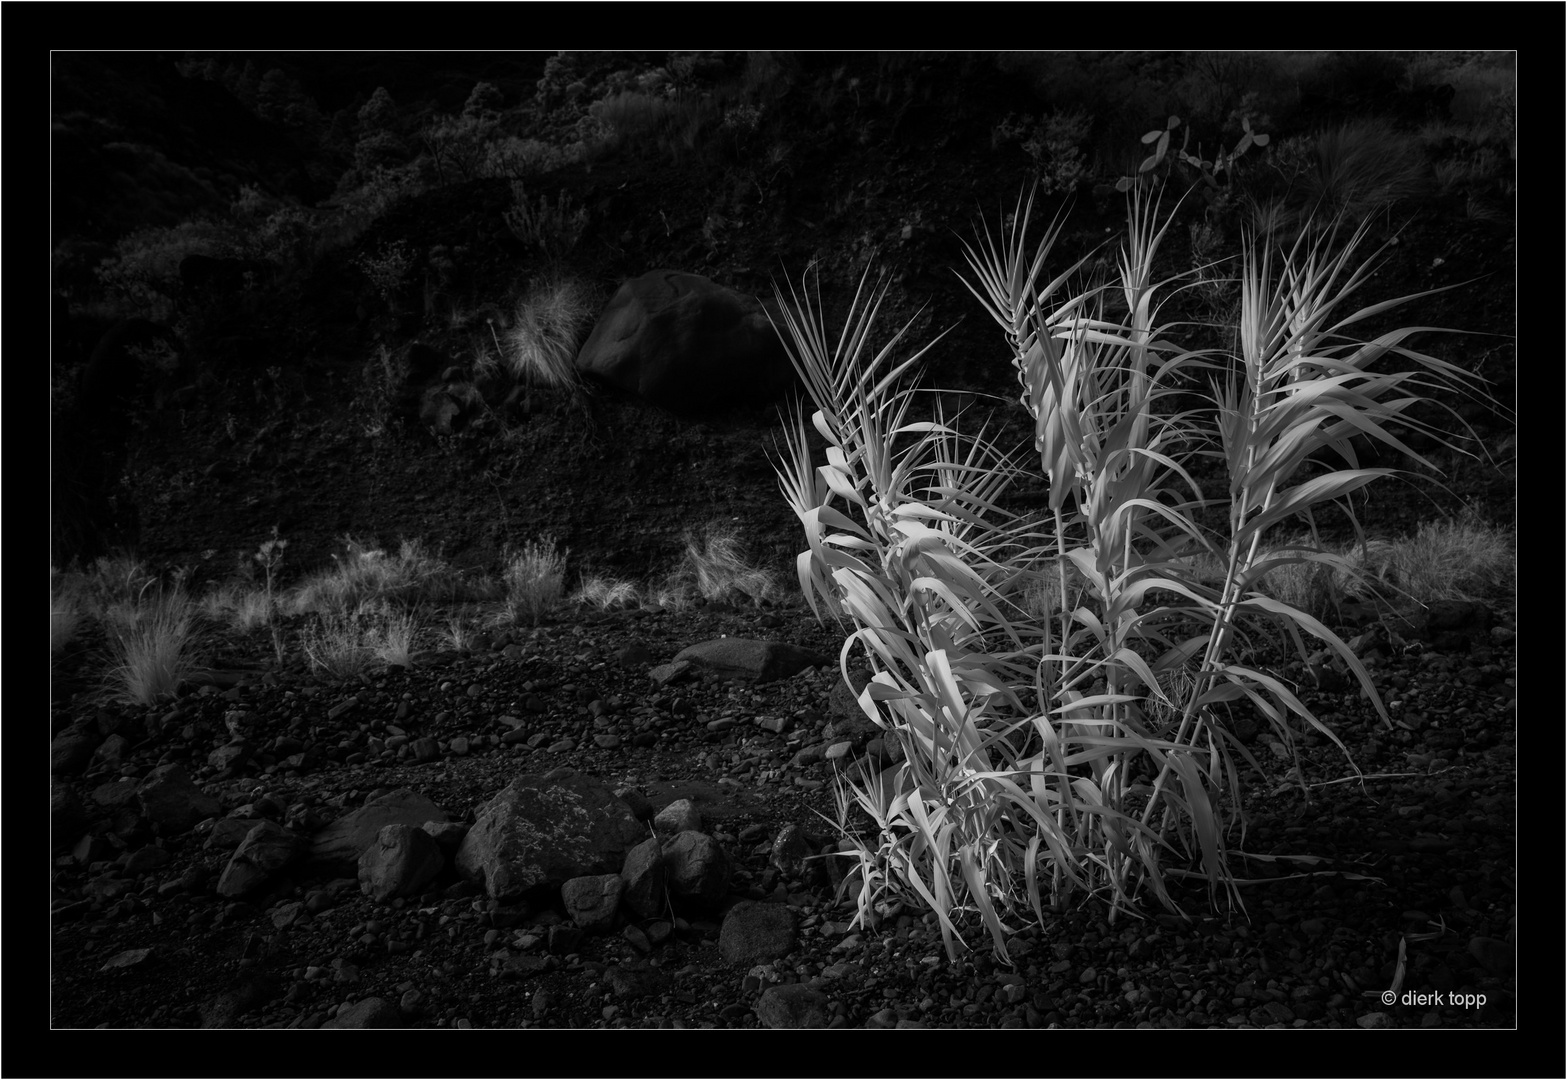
x=1083, y=751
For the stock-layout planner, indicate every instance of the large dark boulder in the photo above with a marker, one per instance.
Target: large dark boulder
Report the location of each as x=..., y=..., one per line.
x=687, y=344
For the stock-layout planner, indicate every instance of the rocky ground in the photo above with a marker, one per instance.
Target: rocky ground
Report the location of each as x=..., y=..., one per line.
x=1402, y=877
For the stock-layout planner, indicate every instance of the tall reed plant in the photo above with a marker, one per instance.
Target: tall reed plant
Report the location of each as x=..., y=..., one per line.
x=1081, y=747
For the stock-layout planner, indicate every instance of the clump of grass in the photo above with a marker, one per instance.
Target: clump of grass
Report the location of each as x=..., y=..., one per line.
x=460, y=629
x=1308, y=579
x=241, y=608
x=541, y=345
x=716, y=562
x=606, y=593
x=116, y=579
x=65, y=610
x=535, y=581
x=1364, y=166
x=391, y=641
x=150, y=645
x=1454, y=559
x=365, y=574
x=343, y=645
x=334, y=645
x=674, y=593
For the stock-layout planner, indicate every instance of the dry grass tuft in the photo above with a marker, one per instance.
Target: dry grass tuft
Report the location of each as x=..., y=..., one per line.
x=65, y=610
x=1364, y=166
x=716, y=563
x=535, y=581
x=343, y=645
x=366, y=574
x=541, y=346
x=606, y=593
x=150, y=645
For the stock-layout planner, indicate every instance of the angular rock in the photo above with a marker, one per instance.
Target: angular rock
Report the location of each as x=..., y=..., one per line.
x=128, y=959
x=679, y=816
x=792, y=1006
x=90, y=849
x=790, y=849
x=697, y=866
x=70, y=752
x=687, y=344
x=401, y=862
x=171, y=801
x=447, y=835
x=372, y=1012
x=266, y=850
x=640, y=806
x=67, y=818
x=754, y=933
x=336, y=849
x=747, y=658
x=634, y=979
x=110, y=753
x=634, y=655
x=664, y=674
x=228, y=833
x=539, y=832
x=116, y=794
x=148, y=858
x=231, y=755
x=591, y=902
x=1497, y=957
x=646, y=880
x=223, y=1010
x=847, y=719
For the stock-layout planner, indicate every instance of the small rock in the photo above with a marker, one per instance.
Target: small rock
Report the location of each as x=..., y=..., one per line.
x=790, y=850
x=1497, y=957
x=172, y=801
x=266, y=850
x=591, y=902
x=401, y=862
x=698, y=867
x=70, y=752
x=886, y=1018
x=756, y=932
x=645, y=876
x=127, y=959
x=679, y=816
x=372, y=1012
x=633, y=656
x=792, y=1006
x=640, y=806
